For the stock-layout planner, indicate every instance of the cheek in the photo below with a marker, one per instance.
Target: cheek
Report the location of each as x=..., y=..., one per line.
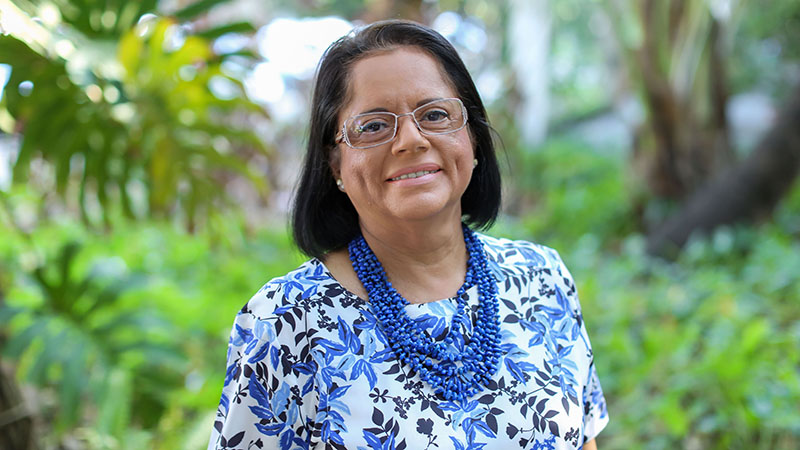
x=356, y=166
x=462, y=148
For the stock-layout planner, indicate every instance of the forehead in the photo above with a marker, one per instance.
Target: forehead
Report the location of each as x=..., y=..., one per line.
x=396, y=80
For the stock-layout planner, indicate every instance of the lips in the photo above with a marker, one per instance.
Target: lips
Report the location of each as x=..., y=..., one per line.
x=414, y=172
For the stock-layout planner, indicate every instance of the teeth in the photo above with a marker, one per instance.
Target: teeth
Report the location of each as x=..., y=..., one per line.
x=413, y=175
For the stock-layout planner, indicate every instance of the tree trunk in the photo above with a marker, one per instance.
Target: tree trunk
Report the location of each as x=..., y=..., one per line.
x=680, y=61
x=746, y=191
x=16, y=424
x=664, y=109
x=528, y=37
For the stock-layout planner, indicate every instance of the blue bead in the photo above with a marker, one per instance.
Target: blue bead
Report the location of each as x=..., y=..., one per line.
x=410, y=344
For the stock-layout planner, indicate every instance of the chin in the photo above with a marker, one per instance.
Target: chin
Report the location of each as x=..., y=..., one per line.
x=421, y=209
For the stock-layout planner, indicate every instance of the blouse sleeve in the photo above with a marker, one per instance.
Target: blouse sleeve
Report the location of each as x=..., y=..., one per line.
x=267, y=379
x=595, y=414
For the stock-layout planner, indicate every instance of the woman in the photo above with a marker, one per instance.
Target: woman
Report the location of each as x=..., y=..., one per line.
x=407, y=329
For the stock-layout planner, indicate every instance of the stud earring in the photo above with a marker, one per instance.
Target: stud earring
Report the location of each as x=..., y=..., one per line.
x=340, y=184
x=475, y=162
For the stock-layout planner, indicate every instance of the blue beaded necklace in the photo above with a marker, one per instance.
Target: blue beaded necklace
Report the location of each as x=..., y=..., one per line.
x=453, y=375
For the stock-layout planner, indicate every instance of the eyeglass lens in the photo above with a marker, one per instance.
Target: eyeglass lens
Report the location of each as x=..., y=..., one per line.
x=437, y=117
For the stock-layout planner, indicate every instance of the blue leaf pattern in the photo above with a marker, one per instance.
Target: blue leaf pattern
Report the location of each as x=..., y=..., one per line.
x=260, y=354
x=261, y=413
x=258, y=392
x=309, y=367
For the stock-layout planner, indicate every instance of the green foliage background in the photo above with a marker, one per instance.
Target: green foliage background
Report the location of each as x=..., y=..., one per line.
x=115, y=317
x=697, y=353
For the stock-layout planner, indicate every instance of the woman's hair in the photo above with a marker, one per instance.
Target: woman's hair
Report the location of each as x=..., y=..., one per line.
x=323, y=218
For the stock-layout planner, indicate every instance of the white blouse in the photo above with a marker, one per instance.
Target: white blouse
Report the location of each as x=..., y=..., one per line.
x=309, y=367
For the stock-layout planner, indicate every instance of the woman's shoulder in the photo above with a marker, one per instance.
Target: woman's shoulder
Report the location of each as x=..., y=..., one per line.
x=288, y=290
x=515, y=253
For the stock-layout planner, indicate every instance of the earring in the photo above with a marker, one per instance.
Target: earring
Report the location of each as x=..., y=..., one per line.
x=475, y=162
x=340, y=184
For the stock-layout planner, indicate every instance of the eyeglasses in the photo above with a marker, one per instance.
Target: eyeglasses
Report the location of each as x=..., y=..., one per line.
x=443, y=116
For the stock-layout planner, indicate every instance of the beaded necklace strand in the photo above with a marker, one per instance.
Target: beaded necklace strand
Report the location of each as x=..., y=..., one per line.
x=454, y=375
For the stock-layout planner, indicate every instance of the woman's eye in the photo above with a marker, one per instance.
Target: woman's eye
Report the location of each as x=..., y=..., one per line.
x=376, y=126
x=434, y=115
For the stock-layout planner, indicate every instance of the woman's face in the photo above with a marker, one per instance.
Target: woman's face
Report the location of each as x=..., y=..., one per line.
x=398, y=81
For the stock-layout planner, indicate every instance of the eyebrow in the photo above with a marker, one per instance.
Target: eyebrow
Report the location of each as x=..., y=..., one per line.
x=419, y=103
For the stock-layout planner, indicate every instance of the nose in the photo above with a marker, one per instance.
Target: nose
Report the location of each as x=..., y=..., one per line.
x=409, y=137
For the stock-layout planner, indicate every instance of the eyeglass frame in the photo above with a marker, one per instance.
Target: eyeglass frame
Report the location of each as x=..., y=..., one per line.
x=343, y=133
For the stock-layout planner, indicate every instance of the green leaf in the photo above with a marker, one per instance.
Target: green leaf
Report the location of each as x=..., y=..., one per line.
x=237, y=27
x=196, y=9
x=7, y=312
x=129, y=52
x=73, y=383
x=53, y=335
x=19, y=342
x=114, y=406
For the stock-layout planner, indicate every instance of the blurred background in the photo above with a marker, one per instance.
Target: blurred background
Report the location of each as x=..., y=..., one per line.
x=148, y=152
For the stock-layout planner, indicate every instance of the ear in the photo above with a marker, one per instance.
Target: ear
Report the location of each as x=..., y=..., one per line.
x=335, y=159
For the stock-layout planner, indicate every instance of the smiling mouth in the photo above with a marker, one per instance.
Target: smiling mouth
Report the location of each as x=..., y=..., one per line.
x=414, y=175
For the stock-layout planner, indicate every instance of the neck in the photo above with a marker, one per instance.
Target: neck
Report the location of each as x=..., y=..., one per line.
x=425, y=261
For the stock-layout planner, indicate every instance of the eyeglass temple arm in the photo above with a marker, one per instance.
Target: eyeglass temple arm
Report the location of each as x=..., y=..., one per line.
x=339, y=138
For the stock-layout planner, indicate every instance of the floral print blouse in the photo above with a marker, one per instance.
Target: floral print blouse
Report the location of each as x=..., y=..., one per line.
x=309, y=367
